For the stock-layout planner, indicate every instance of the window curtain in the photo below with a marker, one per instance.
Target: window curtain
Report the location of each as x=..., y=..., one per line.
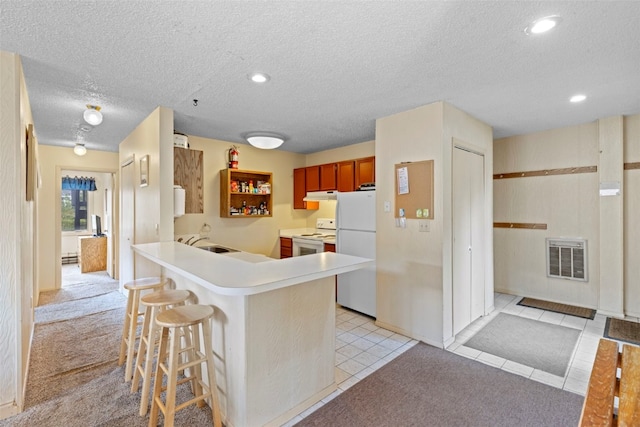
x=78, y=183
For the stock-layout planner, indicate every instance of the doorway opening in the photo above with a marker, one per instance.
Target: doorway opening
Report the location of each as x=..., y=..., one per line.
x=86, y=228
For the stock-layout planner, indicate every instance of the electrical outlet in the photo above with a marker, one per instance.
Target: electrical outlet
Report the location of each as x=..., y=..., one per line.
x=423, y=226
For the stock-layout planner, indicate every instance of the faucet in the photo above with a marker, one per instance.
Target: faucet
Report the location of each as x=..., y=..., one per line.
x=188, y=240
x=196, y=241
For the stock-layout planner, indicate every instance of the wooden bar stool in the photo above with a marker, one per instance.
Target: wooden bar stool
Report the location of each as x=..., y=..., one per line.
x=132, y=319
x=154, y=303
x=196, y=317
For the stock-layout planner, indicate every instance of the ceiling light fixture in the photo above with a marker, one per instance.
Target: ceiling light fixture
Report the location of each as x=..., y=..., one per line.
x=80, y=149
x=578, y=98
x=92, y=115
x=543, y=25
x=259, y=77
x=265, y=141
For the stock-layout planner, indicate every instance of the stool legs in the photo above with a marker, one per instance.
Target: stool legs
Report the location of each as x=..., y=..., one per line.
x=211, y=374
x=125, y=332
x=146, y=350
x=171, y=338
x=133, y=315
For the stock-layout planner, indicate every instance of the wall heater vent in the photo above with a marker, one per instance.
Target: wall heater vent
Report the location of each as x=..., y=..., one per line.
x=567, y=259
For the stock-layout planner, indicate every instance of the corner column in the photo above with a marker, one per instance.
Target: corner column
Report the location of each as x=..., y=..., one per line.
x=610, y=172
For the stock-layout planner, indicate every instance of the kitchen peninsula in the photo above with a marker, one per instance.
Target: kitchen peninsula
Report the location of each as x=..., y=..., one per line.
x=274, y=325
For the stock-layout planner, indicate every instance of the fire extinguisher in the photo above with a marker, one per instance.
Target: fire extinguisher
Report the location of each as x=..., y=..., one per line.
x=233, y=157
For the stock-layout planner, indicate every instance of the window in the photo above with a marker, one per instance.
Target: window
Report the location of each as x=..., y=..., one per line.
x=74, y=210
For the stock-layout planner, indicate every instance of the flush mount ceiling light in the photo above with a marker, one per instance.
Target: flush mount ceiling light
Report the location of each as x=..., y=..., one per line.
x=259, y=77
x=80, y=150
x=578, y=98
x=543, y=25
x=92, y=115
x=265, y=141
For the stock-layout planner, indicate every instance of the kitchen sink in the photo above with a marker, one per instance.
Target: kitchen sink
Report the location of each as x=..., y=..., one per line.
x=217, y=249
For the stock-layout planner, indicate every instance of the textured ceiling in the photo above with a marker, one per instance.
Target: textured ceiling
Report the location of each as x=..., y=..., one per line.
x=335, y=66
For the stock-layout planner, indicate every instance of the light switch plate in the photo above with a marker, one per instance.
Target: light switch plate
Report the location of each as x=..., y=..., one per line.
x=387, y=206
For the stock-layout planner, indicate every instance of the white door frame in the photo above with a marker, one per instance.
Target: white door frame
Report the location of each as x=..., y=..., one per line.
x=58, y=214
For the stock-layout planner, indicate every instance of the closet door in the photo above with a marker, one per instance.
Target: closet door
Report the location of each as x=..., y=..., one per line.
x=468, y=237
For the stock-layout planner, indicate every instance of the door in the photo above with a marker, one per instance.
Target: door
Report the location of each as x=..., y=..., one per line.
x=468, y=237
x=127, y=220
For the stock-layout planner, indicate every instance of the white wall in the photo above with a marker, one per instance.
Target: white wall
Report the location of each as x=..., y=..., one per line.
x=631, y=208
x=153, y=203
x=570, y=206
x=17, y=237
x=414, y=268
x=53, y=160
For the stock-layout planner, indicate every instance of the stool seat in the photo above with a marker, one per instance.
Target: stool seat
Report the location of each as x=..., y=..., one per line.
x=184, y=316
x=155, y=303
x=143, y=283
x=132, y=319
x=165, y=297
x=192, y=318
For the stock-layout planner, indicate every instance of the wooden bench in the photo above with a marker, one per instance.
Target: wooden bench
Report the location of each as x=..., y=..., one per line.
x=607, y=382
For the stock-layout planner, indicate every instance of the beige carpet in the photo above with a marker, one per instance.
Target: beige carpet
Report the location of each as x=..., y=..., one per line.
x=74, y=379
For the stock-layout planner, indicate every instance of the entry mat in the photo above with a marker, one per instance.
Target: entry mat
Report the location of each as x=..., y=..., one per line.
x=571, y=310
x=622, y=330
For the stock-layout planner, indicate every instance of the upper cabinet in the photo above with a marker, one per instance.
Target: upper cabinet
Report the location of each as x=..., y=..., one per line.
x=245, y=193
x=328, y=175
x=300, y=190
x=187, y=173
x=365, y=170
x=346, y=181
x=342, y=176
x=312, y=178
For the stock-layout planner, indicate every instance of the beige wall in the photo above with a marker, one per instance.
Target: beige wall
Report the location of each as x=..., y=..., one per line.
x=18, y=238
x=258, y=235
x=414, y=268
x=153, y=203
x=569, y=205
x=53, y=160
x=631, y=209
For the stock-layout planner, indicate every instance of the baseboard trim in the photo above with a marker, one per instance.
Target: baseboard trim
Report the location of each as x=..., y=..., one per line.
x=610, y=314
x=8, y=410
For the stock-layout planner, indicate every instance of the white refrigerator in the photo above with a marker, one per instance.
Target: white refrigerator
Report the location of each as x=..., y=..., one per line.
x=356, y=235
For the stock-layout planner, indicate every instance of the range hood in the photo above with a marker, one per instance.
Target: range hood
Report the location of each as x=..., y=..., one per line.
x=313, y=196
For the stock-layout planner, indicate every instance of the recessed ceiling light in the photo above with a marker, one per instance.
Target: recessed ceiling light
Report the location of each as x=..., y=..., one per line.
x=259, y=77
x=578, y=98
x=543, y=25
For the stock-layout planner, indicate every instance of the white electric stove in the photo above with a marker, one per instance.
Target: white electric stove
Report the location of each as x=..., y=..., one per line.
x=313, y=243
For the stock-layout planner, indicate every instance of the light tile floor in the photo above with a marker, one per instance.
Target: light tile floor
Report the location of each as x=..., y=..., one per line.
x=577, y=377
x=362, y=347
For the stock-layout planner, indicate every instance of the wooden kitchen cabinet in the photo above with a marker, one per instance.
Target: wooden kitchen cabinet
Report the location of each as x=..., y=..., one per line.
x=300, y=190
x=329, y=247
x=321, y=177
x=328, y=177
x=187, y=173
x=236, y=199
x=312, y=178
x=346, y=176
x=286, y=247
x=365, y=170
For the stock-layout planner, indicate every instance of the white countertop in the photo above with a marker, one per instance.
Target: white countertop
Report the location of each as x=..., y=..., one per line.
x=290, y=232
x=248, y=274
